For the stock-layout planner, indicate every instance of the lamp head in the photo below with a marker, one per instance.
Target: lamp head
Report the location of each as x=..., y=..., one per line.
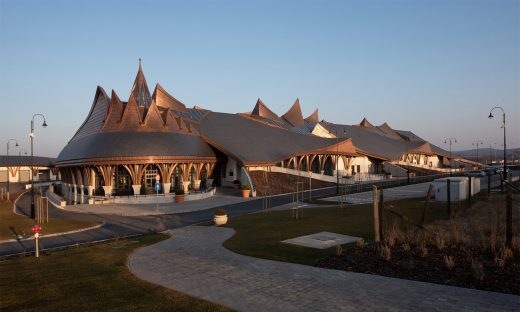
x=44, y=124
x=17, y=144
x=490, y=115
x=445, y=142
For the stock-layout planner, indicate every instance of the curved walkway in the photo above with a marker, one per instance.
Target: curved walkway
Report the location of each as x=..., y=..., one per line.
x=194, y=262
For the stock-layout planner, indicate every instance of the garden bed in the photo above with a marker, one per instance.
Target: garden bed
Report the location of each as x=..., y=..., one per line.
x=471, y=268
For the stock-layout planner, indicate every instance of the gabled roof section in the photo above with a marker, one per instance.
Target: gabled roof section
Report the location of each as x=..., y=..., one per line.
x=386, y=129
x=132, y=116
x=294, y=115
x=164, y=99
x=96, y=116
x=153, y=119
x=313, y=118
x=115, y=110
x=345, y=147
x=140, y=92
x=425, y=149
x=365, y=124
x=263, y=111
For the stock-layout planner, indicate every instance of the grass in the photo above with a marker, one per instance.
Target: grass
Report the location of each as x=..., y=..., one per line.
x=260, y=234
x=12, y=223
x=93, y=278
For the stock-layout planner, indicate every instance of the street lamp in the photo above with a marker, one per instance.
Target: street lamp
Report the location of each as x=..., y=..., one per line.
x=477, y=142
x=503, y=126
x=8, y=173
x=31, y=135
x=20, y=151
x=337, y=159
x=451, y=140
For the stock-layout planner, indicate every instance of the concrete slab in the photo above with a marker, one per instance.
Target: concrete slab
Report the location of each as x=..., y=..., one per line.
x=322, y=240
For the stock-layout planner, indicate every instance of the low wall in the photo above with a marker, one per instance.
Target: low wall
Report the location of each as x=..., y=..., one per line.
x=149, y=199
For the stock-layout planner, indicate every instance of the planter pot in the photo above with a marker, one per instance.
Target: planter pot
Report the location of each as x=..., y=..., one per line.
x=220, y=220
x=179, y=198
x=246, y=193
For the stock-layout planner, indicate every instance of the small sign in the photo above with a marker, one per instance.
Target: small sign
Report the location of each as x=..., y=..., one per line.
x=36, y=229
x=157, y=186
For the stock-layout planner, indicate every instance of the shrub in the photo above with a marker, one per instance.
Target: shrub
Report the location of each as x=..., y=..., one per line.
x=385, y=253
x=246, y=187
x=450, y=263
x=360, y=243
x=179, y=192
x=477, y=269
x=220, y=212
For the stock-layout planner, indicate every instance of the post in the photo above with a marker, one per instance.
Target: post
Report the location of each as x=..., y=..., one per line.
x=428, y=196
x=36, y=235
x=377, y=236
x=489, y=184
x=381, y=214
x=469, y=193
x=448, y=194
x=509, y=217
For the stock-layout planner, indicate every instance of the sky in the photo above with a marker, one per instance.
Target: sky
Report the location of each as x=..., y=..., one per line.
x=433, y=67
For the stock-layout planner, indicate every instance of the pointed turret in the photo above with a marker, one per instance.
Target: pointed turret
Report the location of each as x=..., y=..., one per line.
x=115, y=111
x=364, y=123
x=164, y=99
x=294, y=115
x=385, y=128
x=263, y=111
x=140, y=92
x=313, y=118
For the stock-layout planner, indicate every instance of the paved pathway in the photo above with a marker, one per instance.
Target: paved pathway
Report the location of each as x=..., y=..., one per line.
x=194, y=262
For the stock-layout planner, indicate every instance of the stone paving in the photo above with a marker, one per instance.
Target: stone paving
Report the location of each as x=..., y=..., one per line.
x=194, y=262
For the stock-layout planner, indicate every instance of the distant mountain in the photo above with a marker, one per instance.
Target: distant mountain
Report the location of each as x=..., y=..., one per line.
x=490, y=155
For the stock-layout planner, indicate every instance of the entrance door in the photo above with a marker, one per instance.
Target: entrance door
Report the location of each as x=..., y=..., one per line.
x=149, y=179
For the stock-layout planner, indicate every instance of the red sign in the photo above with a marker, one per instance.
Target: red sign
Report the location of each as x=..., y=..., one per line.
x=36, y=229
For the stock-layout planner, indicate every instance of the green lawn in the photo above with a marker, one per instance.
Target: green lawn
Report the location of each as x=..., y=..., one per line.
x=93, y=278
x=260, y=234
x=11, y=223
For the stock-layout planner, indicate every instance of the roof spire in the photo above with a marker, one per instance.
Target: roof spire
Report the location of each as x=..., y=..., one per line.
x=140, y=91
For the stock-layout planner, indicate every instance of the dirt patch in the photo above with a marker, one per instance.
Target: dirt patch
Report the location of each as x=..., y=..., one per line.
x=470, y=268
x=280, y=183
x=469, y=250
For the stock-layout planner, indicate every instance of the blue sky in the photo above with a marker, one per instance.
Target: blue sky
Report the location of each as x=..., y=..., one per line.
x=433, y=67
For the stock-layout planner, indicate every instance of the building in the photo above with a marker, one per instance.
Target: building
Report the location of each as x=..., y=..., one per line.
x=122, y=146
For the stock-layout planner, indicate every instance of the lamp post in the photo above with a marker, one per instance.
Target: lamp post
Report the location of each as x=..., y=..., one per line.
x=503, y=126
x=451, y=140
x=20, y=151
x=31, y=135
x=337, y=159
x=477, y=142
x=8, y=182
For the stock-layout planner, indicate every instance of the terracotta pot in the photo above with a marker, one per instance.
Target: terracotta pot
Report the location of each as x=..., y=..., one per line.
x=179, y=198
x=246, y=193
x=220, y=220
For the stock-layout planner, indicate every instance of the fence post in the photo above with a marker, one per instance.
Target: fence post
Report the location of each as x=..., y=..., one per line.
x=430, y=189
x=469, y=192
x=509, y=217
x=381, y=215
x=489, y=184
x=448, y=194
x=377, y=238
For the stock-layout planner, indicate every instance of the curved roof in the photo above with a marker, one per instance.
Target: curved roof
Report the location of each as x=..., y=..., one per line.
x=253, y=143
x=10, y=161
x=106, y=146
